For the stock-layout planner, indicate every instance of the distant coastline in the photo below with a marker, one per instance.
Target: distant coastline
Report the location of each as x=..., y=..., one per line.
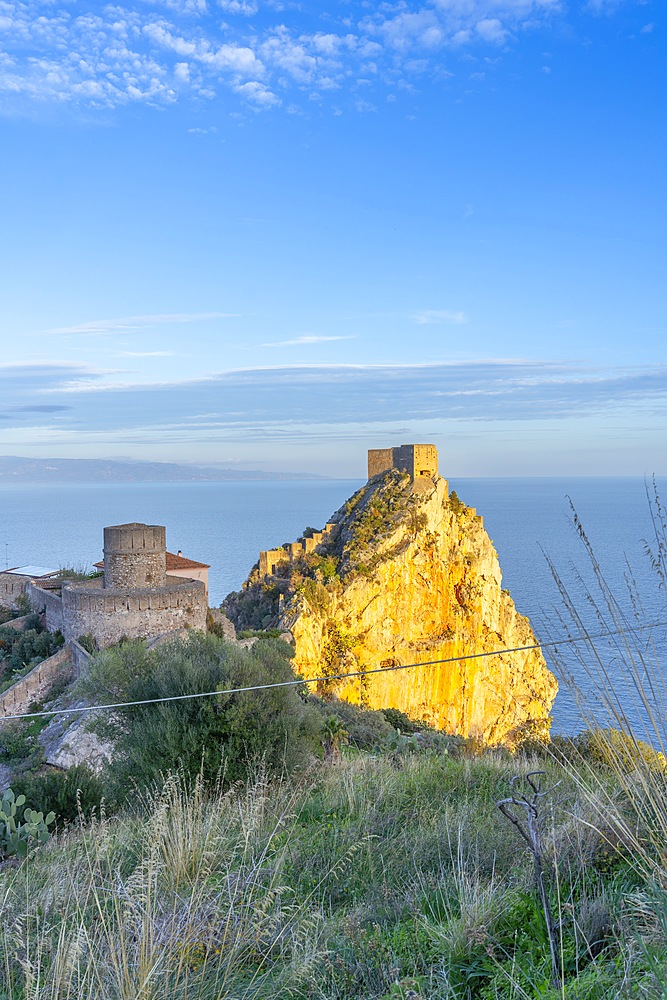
x=37, y=471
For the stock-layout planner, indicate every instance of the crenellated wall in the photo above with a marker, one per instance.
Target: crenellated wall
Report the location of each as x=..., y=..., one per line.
x=112, y=614
x=135, y=556
x=134, y=599
x=270, y=559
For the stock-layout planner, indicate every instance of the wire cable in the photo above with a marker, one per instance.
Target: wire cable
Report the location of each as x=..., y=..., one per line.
x=82, y=709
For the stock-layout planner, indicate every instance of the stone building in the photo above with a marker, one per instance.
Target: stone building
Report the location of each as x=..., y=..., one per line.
x=135, y=598
x=13, y=582
x=420, y=461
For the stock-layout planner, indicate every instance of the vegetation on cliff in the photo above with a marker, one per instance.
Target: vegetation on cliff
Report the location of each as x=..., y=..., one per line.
x=406, y=577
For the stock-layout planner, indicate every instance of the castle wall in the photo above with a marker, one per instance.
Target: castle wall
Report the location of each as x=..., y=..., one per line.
x=112, y=614
x=35, y=685
x=135, y=556
x=18, y=624
x=270, y=559
x=380, y=460
x=80, y=657
x=48, y=602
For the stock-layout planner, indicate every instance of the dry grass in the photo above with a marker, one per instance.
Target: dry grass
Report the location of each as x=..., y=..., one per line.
x=186, y=902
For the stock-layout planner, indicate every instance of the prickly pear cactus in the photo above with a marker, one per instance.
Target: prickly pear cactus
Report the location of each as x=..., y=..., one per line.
x=18, y=836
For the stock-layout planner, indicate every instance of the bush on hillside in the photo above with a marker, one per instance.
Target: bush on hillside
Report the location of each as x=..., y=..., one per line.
x=223, y=734
x=19, y=747
x=68, y=794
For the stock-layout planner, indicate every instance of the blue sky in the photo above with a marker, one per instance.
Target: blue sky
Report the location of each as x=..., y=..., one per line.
x=269, y=234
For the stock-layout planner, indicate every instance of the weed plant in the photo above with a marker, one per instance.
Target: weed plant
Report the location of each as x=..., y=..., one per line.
x=362, y=879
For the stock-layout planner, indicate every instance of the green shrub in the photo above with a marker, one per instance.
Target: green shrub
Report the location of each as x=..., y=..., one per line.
x=26, y=649
x=254, y=607
x=65, y=793
x=366, y=729
x=399, y=720
x=19, y=746
x=227, y=732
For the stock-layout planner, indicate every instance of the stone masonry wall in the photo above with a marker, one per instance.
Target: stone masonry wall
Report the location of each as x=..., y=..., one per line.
x=80, y=657
x=50, y=603
x=34, y=685
x=418, y=460
x=109, y=615
x=11, y=587
x=18, y=624
x=379, y=460
x=135, y=556
x=269, y=559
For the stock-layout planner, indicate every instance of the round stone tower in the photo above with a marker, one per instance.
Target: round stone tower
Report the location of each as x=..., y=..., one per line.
x=135, y=556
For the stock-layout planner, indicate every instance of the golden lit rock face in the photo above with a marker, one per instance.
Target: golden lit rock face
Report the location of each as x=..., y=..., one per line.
x=418, y=580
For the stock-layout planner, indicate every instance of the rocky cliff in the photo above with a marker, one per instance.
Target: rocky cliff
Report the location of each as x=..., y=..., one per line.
x=407, y=576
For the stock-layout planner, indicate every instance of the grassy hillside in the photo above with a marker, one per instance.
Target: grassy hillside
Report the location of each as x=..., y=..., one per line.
x=386, y=875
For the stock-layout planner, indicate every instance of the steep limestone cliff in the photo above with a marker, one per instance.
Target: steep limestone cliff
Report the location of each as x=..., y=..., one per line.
x=408, y=576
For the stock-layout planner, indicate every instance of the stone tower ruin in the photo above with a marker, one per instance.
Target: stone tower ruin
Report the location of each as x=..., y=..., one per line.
x=135, y=556
x=420, y=461
x=135, y=598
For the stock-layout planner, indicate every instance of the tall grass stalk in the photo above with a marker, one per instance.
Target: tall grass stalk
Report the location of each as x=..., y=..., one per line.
x=185, y=901
x=625, y=704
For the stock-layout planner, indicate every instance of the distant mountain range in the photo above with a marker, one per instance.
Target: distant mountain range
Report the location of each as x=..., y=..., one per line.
x=101, y=470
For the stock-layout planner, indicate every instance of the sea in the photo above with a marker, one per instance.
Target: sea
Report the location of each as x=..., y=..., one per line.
x=536, y=526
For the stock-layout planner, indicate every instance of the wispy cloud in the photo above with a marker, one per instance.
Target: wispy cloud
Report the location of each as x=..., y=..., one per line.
x=146, y=354
x=263, y=402
x=307, y=338
x=128, y=323
x=429, y=316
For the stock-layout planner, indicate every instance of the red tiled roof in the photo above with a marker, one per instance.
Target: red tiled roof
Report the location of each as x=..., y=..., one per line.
x=180, y=562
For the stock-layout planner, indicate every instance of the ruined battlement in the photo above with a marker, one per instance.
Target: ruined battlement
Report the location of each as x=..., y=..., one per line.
x=111, y=613
x=270, y=559
x=420, y=461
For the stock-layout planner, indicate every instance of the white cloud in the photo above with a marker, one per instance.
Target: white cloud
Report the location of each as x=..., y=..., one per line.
x=245, y=7
x=492, y=30
x=258, y=94
x=158, y=52
x=430, y=316
x=106, y=326
x=307, y=338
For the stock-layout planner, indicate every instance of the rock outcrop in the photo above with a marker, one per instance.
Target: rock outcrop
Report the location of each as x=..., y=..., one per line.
x=404, y=577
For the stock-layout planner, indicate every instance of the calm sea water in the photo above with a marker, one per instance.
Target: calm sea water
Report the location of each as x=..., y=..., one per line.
x=226, y=524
